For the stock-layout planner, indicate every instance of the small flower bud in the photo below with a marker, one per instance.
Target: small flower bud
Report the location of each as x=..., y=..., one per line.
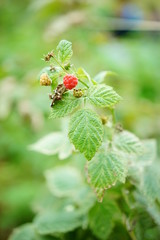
x=48, y=56
x=77, y=93
x=104, y=120
x=45, y=80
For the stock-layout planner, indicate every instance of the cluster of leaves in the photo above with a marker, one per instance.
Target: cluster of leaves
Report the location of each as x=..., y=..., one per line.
x=67, y=208
x=86, y=131
x=112, y=154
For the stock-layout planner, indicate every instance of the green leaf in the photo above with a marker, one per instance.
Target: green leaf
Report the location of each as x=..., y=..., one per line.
x=145, y=158
x=152, y=207
x=149, y=154
x=65, y=106
x=102, y=217
x=63, y=181
x=48, y=145
x=128, y=142
x=44, y=70
x=102, y=76
x=86, y=132
x=105, y=169
x=54, y=77
x=53, y=143
x=67, y=182
x=66, y=149
x=103, y=96
x=82, y=74
x=54, y=222
x=84, y=199
x=51, y=73
x=154, y=210
x=27, y=232
x=143, y=225
x=150, y=182
x=65, y=52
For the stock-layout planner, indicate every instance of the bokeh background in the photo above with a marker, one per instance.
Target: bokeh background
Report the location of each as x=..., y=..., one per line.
x=121, y=36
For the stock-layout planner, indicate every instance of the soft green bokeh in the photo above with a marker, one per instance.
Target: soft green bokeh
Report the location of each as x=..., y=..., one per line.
x=31, y=28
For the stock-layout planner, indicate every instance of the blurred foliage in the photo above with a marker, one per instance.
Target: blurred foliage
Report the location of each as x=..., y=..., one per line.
x=28, y=30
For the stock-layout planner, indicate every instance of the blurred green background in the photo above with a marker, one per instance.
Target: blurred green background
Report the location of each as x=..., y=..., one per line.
x=31, y=28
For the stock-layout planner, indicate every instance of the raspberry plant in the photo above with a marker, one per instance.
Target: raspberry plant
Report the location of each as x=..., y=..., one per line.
x=99, y=155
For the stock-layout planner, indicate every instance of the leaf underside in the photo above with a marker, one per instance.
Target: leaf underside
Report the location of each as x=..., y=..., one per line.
x=150, y=182
x=27, y=232
x=49, y=145
x=128, y=142
x=63, y=181
x=51, y=222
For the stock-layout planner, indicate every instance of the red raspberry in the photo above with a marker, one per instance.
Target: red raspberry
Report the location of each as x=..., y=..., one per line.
x=70, y=81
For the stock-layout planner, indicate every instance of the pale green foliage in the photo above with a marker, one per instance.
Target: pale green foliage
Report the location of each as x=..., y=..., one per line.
x=105, y=169
x=69, y=203
x=103, y=76
x=152, y=207
x=52, y=222
x=66, y=148
x=82, y=198
x=83, y=75
x=65, y=52
x=138, y=162
x=103, y=96
x=102, y=217
x=143, y=225
x=86, y=132
x=49, y=145
x=58, y=211
x=54, y=77
x=150, y=184
x=128, y=142
x=63, y=181
x=154, y=211
x=65, y=106
x=149, y=153
x=44, y=70
x=27, y=232
x=53, y=143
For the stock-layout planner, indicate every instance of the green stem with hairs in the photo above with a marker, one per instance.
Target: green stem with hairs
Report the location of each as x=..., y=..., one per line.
x=60, y=65
x=113, y=116
x=67, y=72
x=83, y=83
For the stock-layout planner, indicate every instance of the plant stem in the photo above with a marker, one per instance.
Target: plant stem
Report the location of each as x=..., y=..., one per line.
x=67, y=72
x=83, y=83
x=113, y=124
x=113, y=116
x=132, y=235
x=60, y=64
